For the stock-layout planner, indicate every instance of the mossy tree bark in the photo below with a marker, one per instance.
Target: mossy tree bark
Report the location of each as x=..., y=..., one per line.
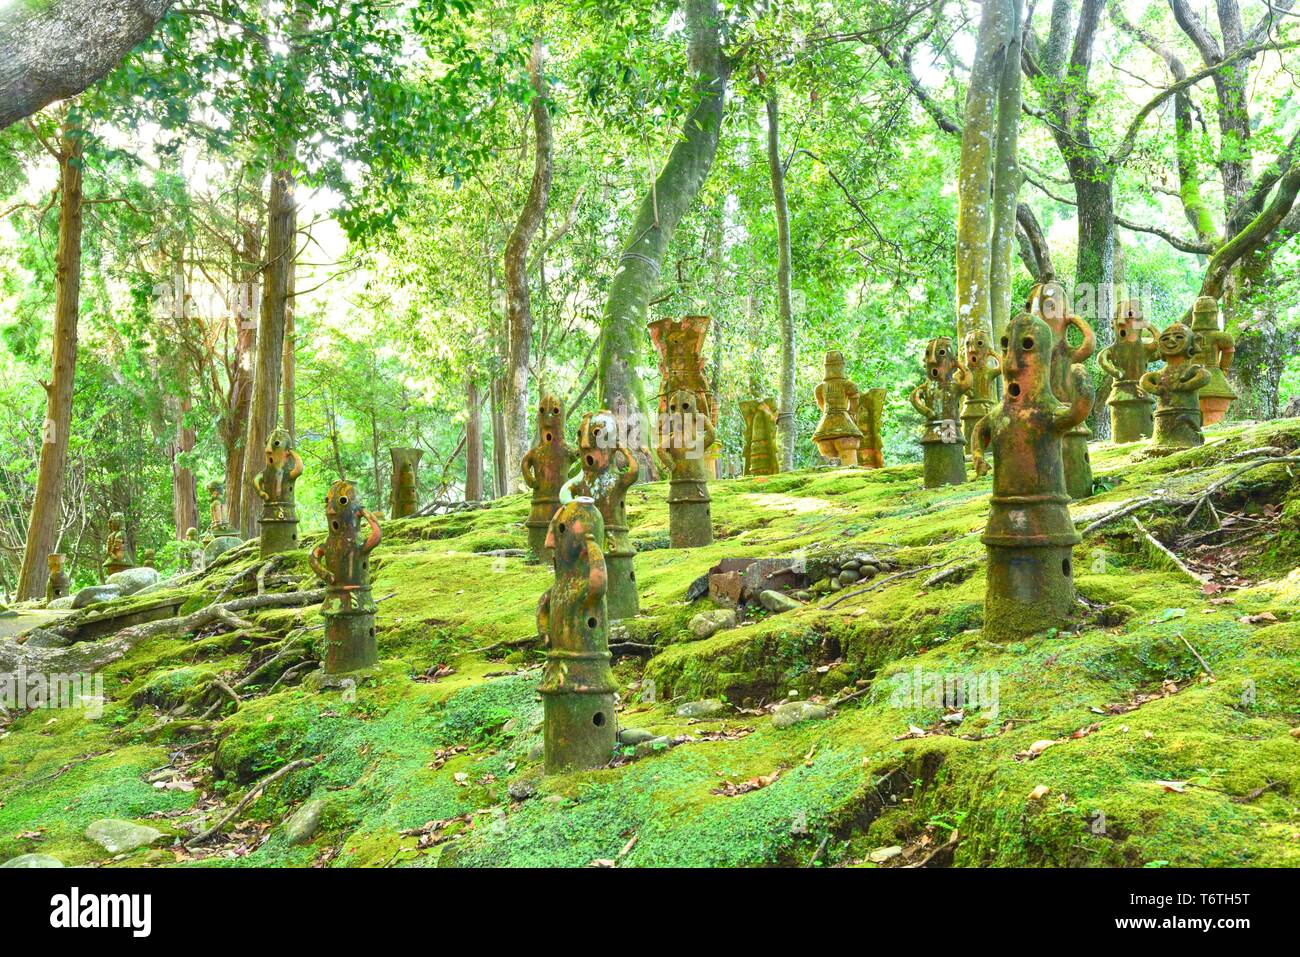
x=232, y=427
x=785, y=419
x=265, y=407
x=43, y=528
x=519, y=314
x=473, y=441
x=634, y=283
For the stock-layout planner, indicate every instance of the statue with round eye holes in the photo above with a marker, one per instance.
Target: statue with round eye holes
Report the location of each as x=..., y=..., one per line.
x=578, y=687
x=404, y=490
x=609, y=469
x=58, y=582
x=685, y=435
x=837, y=436
x=938, y=400
x=218, y=526
x=871, y=412
x=1178, y=410
x=191, y=551
x=679, y=344
x=274, y=485
x=761, y=457
x=1125, y=360
x=342, y=561
x=1029, y=535
x=115, y=559
x=545, y=467
x=976, y=380
x=1048, y=302
x=1214, y=349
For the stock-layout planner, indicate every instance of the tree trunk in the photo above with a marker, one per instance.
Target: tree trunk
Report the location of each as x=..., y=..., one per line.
x=43, y=530
x=500, y=452
x=785, y=419
x=265, y=407
x=288, y=419
x=1006, y=176
x=473, y=442
x=233, y=427
x=519, y=316
x=624, y=319
x=185, y=506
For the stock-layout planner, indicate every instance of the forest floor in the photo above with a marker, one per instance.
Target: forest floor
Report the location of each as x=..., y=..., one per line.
x=1162, y=732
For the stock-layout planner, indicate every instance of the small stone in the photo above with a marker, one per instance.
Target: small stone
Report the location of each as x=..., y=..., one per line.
x=304, y=824
x=33, y=860
x=61, y=603
x=118, y=837
x=707, y=708
x=134, y=579
x=847, y=577
x=94, y=594
x=41, y=638
x=653, y=746
x=1295, y=733
x=537, y=751
x=792, y=712
x=219, y=546
x=522, y=789
x=835, y=584
x=706, y=623
x=803, y=595
x=852, y=565
x=697, y=589
x=776, y=602
x=632, y=736
x=882, y=854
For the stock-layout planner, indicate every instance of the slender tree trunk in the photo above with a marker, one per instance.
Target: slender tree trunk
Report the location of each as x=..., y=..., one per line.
x=785, y=419
x=233, y=427
x=288, y=419
x=265, y=408
x=1006, y=176
x=637, y=276
x=185, y=506
x=519, y=316
x=43, y=530
x=473, y=442
x=500, y=441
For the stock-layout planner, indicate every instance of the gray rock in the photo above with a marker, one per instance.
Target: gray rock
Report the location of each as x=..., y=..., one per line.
x=61, y=603
x=134, y=579
x=157, y=586
x=94, y=594
x=882, y=854
x=852, y=564
x=707, y=623
x=218, y=547
x=701, y=709
x=653, y=746
x=776, y=602
x=522, y=790
x=41, y=638
x=304, y=823
x=33, y=860
x=635, y=735
x=792, y=712
x=537, y=751
x=698, y=588
x=848, y=576
x=118, y=837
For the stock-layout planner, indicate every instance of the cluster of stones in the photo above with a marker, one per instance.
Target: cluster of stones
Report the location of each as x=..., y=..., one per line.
x=841, y=570
x=938, y=400
x=342, y=562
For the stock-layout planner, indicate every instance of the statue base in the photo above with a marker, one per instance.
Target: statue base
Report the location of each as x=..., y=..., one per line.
x=581, y=731
x=1131, y=418
x=1177, y=429
x=1213, y=408
x=112, y=568
x=1030, y=589
x=944, y=463
x=621, y=598
x=690, y=522
x=871, y=458
x=537, y=540
x=1077, y=463
x=278, y=536
x=349, y=640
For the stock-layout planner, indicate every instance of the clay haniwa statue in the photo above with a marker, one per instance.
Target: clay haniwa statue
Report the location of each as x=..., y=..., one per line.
x=680, y=346
x=578, y=687
x=685, y=435
x=977, y=372
x=1125, y=360
x=1213, y=350
x=938, y=400
x=191, y=551
x=343, y=563
x=115, y=559
x=150, y=558
x=609, y=469
x=761, y=454
x=58, y=583
x=1048, y=302
x=274, y=486
x=837, y=436
x=871, y=412
x=545, y=468
x=218, y=526
x=1029, y=535
x=1176, y=388
x=404, y=490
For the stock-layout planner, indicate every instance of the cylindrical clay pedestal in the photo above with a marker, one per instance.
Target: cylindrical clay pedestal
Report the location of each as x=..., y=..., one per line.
x=944, y=462
x=1131, y=417
x=278, y=537
x=350, y=638
x=690, y=521
x=581, y=729
x=1030, y=577
x=1077, y=462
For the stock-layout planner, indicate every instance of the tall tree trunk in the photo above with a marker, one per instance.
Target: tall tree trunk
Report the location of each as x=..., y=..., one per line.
x=265, y=408
x=519, y=316
x=500, y=441
x=623, y=322
x=233, y=427
x=288, y=419
x=43, y=529
x=185, y=506
x=473, y=442
x=1006, y=177
x=785, y=419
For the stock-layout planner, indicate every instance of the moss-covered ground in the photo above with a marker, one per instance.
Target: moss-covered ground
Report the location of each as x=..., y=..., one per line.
x=1169, y=711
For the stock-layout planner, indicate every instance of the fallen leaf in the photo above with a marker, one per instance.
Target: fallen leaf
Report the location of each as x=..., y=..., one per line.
x=1257, y=619
x=1177, y=787
x=1040, y=792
